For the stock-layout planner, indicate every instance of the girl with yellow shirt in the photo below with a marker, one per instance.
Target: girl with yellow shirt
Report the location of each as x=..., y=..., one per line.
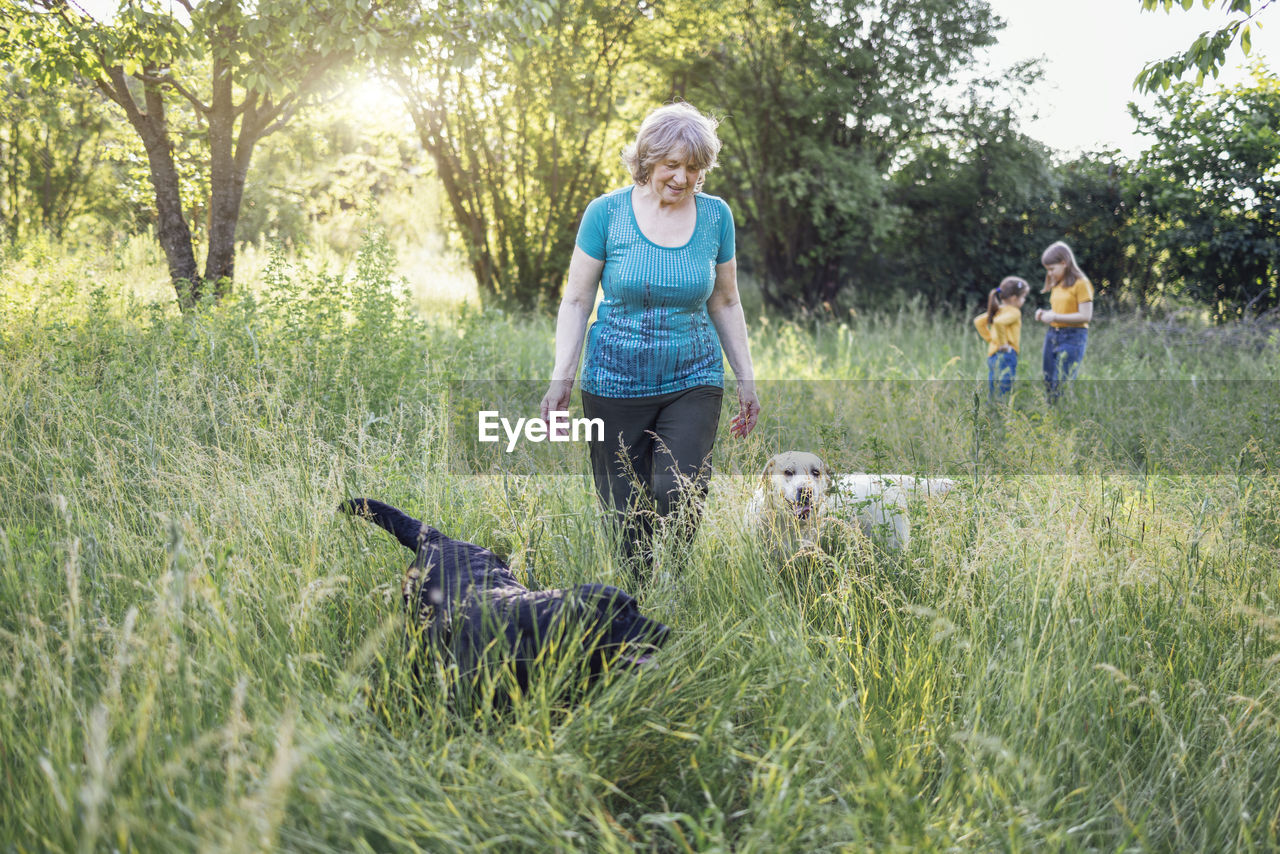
x=1070, y=310
x=1001, y=328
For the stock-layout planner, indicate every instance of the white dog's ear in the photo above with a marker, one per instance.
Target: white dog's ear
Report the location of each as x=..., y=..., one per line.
x=770, y=469
x=824, y=473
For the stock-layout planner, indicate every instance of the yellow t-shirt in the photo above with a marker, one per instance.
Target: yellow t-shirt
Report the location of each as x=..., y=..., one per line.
x=1004, y=330
x=1066, y=300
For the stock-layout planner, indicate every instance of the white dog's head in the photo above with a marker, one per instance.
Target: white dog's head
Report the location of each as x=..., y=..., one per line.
x=797, y=480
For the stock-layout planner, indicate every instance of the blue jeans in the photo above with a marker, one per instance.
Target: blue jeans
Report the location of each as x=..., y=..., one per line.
x=1063, y=352
x=1001, y=366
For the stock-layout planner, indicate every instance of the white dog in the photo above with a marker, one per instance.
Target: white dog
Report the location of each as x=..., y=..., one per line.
x=797, y=491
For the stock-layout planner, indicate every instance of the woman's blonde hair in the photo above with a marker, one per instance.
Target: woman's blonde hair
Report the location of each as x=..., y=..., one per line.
x=677, y=129
x=1057, y=253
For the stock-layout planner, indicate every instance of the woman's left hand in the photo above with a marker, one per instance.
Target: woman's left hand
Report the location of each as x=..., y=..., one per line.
x=1044, y=315
x=748, y=411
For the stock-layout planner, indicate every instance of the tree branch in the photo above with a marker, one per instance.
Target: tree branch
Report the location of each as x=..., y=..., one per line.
x=272, y=118
x=118, y=90
x=167, y=80
x=249, y=105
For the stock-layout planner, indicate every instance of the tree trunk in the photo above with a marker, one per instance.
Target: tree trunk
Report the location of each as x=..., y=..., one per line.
x=46, y=183
x=224, y=214
x=171, y=227
x=453, y=178
x=226, y=179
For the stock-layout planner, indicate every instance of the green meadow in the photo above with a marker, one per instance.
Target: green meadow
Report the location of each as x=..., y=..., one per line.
x=1080, y=649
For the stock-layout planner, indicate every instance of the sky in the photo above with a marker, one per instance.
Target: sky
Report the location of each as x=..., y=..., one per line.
x=1093, y=49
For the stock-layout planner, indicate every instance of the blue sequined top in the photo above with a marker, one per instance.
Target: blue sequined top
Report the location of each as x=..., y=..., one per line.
x=652, y=333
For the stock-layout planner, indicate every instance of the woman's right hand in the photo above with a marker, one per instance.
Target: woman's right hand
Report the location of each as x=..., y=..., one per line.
x=748, y=410
x=557, y=398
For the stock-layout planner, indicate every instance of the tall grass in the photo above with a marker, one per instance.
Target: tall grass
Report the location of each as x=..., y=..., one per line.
x=199, y=653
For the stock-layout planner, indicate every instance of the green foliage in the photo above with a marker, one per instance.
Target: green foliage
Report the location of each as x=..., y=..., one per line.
x=822, y=98
x=259, y=63
x=1194, y=217
x=53, y=145
x=1208, y=185
x=1207, y=53
x=981, y=201
x=320, y=179
x=523, y=110
x=852, y=180
x=976, y=200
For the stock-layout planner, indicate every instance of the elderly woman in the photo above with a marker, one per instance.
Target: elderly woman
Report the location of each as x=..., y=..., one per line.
x=664, y=253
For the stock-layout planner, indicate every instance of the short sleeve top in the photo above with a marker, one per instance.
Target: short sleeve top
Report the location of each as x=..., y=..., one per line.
x=1067, y=300
x=652, y=334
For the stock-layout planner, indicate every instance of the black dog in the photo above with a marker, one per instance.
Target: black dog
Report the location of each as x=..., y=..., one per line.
x=467, y=602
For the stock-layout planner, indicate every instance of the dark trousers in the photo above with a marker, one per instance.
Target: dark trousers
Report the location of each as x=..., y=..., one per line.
x=654, y=463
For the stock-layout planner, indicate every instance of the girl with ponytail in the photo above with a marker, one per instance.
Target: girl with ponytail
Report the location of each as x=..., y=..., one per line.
x=1001, y=328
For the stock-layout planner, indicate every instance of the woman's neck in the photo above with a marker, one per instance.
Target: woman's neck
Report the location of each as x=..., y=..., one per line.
x=656, y=203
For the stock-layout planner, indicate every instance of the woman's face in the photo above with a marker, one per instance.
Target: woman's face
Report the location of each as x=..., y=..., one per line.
x=674, y=179
x=1056, y=270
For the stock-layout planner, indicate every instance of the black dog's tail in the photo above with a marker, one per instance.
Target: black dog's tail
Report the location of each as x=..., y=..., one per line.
x=409, y=531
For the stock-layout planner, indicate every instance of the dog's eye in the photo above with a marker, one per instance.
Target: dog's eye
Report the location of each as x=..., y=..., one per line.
x=790, y=472
x=813, y=472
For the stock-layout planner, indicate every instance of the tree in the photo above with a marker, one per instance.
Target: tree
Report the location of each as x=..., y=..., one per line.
x=51, y=150
x=313, y=180
x=523, y=110
x=1207, y=53
x=242, y=68
x=1097, y=214
x=975, y=201
x=1209, y=182
x=821, y=97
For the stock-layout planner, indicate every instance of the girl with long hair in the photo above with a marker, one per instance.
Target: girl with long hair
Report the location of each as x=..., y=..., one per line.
x=1070, y=310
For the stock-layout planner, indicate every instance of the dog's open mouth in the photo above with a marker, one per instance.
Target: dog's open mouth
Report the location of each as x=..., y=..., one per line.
x=803, y=510
x=642, y=660
x=637, y=654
